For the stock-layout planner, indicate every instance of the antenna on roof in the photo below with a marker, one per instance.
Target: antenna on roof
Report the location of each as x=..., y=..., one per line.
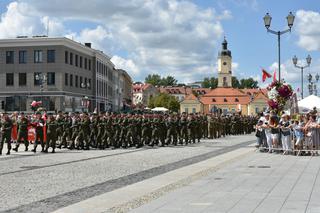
x=48, y=27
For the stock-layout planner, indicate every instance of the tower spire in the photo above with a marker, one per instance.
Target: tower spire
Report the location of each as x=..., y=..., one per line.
x=224, y=66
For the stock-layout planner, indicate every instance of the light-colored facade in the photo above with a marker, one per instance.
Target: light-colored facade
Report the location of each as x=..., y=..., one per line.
x=126, y=89
x=191, y=104
x=76, y=77
x=142, y=93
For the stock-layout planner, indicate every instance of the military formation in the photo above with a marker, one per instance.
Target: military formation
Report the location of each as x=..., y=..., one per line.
x=107, y=130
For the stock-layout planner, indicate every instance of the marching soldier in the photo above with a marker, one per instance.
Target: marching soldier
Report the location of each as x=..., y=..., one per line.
x=6, y=128
x=22, y=132
x=38, y=125
x=184, y=130
x=52, y=136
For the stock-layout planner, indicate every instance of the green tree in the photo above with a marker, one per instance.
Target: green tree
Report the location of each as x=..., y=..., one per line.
x=248, y=83
x=210, y=83
x=153, y=79
x=164, y=100
x=235, y=82
x=157, y=80
x=168, y=81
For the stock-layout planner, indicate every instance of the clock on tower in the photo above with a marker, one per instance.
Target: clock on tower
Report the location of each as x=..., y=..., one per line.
x=224, y=66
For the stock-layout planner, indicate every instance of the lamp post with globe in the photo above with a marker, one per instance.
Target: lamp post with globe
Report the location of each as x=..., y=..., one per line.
x=267, y=23
x=295, y=62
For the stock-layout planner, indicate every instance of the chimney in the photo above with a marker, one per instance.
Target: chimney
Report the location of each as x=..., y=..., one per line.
x=87, y=45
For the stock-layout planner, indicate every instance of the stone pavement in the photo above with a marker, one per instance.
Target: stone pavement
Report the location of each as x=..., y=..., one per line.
x=48, y=182
x=260, y=182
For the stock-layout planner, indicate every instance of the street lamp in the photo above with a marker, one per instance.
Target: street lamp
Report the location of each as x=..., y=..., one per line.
x=85, y=85
x=267, y=23
x=42, y=78
x=85, y=103
x=312, y=86
x=295, y=62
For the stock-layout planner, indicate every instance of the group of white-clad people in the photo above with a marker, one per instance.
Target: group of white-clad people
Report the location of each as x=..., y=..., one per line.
x=299, y=134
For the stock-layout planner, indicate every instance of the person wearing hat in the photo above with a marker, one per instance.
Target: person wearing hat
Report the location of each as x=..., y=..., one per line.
x=267, y=131
x=66, y=130
x=6, y=127
x=52, y=127
x=285, y=133
x=38, y=125
x=22, y=132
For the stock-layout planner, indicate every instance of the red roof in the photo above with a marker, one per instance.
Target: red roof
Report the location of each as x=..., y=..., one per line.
x=260, y=95
x=175, y=90
x=254, y=91
x=191, y=97
x=140, y=87
x=225, y=96
x=223, y=92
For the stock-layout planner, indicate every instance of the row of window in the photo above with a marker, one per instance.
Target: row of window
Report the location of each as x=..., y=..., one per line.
x=104, y=70
x=79, y=61
x=37, y=56
x=51, y=79
x=79, y=81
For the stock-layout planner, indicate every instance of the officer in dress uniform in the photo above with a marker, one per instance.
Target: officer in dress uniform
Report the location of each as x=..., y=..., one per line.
x=38, y=124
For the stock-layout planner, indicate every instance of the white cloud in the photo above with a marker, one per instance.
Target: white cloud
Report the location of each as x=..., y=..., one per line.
x=168, y=37
x=307, y=27
x=17, y=21
x=99, y=37
x=125, y=64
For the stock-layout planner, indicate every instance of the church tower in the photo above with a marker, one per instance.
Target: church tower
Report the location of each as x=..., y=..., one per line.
x=224, y=66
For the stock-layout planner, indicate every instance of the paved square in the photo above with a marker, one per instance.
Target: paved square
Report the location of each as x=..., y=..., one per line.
x=259, y=182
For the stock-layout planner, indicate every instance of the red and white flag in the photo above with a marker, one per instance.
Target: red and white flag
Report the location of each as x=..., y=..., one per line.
x=265, y=75
x=275, y=75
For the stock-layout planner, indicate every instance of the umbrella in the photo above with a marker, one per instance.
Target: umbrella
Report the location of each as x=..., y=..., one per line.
x=160, y=109
x=309, y=103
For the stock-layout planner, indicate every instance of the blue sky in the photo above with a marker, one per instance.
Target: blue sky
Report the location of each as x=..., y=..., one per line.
x=180, y=38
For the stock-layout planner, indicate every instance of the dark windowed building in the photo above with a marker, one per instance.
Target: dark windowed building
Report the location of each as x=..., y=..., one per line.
x=58, y=71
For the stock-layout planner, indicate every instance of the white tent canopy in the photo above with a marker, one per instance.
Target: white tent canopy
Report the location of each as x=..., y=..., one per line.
x=309, y=103
x=160, y=109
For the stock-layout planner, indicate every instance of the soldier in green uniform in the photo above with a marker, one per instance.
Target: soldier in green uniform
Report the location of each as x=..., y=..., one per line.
x=130, y=129
x=60, y=123
x=6, y=127
x=100, y=125
x=138, y=131
x=22, y=132
x=38, y=125
x=75, y=130
x=84, y=134
x=116, y=131
x=66, y=131
x=171, y=126
x=191, y=129
x=184, y=130
x=155, y=131
x=52, y=137
x=94, y=130
x=146, y=130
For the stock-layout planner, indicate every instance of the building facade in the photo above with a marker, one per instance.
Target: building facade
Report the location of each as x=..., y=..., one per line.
x=63, y=74
x=230, y=100
x=191, y=104
x=142, y=93
x=126, y=89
